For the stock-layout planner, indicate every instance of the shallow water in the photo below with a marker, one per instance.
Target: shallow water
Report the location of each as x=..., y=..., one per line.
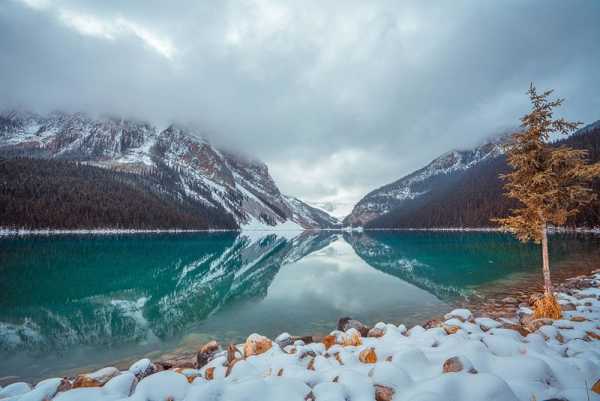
x=74, y=302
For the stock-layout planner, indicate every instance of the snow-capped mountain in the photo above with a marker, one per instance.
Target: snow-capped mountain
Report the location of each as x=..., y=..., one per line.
x=221, y=180
x=420, y=182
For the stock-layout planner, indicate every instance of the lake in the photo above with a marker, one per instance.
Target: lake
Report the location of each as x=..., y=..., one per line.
x=72, y=302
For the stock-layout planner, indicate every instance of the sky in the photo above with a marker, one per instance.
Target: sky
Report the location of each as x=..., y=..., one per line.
x=337, y=97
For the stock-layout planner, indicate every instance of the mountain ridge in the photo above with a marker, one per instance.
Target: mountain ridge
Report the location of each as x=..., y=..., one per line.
x=217, y=180
x=471, y=197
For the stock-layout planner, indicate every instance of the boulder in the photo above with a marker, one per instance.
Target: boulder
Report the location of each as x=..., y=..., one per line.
x=376, y=332
x=535, y=324
x=596, y=387
x=383, y=393
x=347, y=323
x=578, y=319
x=368, y=355
x=256, y=345
x=206, y=353
x=142, y=368
x=96, y=379
x=568, y=307
x=458, y=364
x=461, y=314
x=283, y=340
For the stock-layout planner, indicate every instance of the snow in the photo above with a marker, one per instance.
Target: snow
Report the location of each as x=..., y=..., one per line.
x=559, y=361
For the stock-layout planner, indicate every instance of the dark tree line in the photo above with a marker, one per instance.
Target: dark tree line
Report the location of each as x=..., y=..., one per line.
x=37, y=193
x=473, y=197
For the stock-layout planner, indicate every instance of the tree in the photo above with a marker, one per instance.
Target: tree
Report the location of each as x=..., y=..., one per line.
x=550, y=183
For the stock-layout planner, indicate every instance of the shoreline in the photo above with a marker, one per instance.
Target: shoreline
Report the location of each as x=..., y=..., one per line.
x=22, y=232
x=214, y=363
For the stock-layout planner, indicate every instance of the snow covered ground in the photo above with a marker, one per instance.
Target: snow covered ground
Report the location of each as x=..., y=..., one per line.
x=463, y=358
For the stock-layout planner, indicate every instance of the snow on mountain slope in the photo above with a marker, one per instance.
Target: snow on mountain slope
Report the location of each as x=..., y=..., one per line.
x=390, y=196
x=225, y=181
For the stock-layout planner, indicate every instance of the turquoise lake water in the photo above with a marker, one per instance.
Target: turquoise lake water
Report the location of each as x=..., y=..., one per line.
x=71, y=302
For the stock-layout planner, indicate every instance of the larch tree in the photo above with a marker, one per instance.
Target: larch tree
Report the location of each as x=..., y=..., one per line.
x=551, y=183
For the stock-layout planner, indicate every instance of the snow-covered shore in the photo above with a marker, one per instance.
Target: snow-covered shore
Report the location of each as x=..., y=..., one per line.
x=461, y=358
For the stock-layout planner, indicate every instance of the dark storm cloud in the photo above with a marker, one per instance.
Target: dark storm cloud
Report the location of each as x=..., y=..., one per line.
x=337, y=97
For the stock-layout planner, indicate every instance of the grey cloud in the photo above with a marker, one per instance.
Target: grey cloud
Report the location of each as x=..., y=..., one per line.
x=337, y=97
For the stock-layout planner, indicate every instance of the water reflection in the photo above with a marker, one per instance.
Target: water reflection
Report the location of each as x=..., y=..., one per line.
x=70, y=300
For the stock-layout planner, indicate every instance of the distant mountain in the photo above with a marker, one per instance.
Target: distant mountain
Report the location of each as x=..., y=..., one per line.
x=417, y=184
x=460, y=189
x=176, y=166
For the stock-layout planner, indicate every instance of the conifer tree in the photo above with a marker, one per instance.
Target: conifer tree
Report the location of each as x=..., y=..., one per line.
x=551, y=183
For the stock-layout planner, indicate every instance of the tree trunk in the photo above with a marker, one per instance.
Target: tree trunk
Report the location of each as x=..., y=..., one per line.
x=546, y=263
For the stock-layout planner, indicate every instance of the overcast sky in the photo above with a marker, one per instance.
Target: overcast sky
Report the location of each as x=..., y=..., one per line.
x=337, y=97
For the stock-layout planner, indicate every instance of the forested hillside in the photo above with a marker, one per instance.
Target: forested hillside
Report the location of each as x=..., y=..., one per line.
x=471, y=198
x=36, y=193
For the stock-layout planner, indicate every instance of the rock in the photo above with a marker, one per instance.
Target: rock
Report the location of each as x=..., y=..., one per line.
x=487, y=324
x=510, y=300
x=432, y=323
x=329, y=341
x=578, y=319
x=451, y=329
x=347, y=323
x=256, y=345
x=376, y=332
x=461, y=314
x=15, y=389
x=596, y=387
x=64, y=385
x=383, y=393
x=458, y=364
x=535, y=324
x=97, y=378
x=351, y=337
x=368, y=355
x=209, y=373
x=206, y=353
x=568, y=307
x=142, y=368
x=283, y=340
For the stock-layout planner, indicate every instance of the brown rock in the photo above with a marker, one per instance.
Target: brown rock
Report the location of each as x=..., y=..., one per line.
x=383, y=393
x=593, y=335
x=596, y=387
x=432, y=323
x=256, y=345
x=209, y=373
x=368, y=355
x=97, y=378
x=458, y=364
x=206, y=353
x=347, y=323
x=375, y=332
x=451, y=329
x=578, y=319
x=64, y=385
x=568, y=307
x=535, y=324
x=329, y=341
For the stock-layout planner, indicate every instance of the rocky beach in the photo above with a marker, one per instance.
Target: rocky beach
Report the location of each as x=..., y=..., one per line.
x=490, y=353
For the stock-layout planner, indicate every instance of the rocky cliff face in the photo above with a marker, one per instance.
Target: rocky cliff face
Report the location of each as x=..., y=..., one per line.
x=238, y=185
x=420, y=182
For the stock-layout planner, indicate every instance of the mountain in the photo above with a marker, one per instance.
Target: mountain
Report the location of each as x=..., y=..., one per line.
x=174, y=166
x=470, y=196
x=415, y=185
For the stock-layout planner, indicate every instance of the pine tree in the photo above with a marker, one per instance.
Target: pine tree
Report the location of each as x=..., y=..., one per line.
x=550, y=183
